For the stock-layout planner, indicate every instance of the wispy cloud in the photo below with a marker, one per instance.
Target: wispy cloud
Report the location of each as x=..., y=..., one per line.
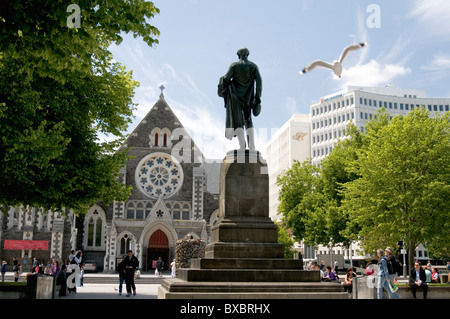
x=372, y=74
x=433, y=15
x=437, y=69
x=205, y=128
x=440, y=63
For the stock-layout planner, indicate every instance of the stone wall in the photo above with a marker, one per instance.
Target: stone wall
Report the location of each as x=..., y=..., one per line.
x=364, y=290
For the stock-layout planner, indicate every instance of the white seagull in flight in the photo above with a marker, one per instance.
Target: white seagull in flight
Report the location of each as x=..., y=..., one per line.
x=337, y=65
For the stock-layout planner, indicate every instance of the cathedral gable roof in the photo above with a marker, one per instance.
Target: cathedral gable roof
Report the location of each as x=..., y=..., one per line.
x=161, y=118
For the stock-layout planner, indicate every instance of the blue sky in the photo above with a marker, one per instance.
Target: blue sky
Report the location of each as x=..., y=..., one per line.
x=408, y=46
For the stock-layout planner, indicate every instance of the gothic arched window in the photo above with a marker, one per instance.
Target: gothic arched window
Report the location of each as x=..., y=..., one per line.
x=95, y=228
x=125, y=242
x=186, y=213
x=176, y=212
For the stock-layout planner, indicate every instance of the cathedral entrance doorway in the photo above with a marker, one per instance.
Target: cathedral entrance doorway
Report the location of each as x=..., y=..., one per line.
x=158, y=246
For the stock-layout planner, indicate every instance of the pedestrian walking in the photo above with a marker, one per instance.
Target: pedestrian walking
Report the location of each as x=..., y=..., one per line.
x=35, y=264
x=61, y=280
x=130, y=263
x=17, y=272
x=3, y=271
x=74, y=261
x=81, y=276
x=173, y=268
x=120, y=268
x=384, y=278
x=391, y=264
x=159, y=266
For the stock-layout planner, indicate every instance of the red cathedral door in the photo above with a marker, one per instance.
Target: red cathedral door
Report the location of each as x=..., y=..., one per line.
x=158, y=246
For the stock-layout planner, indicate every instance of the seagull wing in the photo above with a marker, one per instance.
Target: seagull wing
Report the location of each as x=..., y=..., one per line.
x=316, y=64
x=349, y=49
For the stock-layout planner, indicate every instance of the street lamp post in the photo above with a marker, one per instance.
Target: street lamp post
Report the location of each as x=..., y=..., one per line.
x=351, y=254
x=403, y=251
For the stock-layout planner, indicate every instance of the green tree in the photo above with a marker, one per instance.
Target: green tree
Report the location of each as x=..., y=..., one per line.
x=286, y=240
x=38, y=32
x=296, y=183
x=59, y=89
x=402, y=192
x=307, y=209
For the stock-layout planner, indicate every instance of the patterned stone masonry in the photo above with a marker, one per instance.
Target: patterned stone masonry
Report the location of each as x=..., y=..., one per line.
x=198, y=192
x=187, y=249
x=56, y=249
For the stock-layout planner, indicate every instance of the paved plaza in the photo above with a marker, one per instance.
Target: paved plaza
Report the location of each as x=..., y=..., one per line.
x=111, y=291
x=106, y=286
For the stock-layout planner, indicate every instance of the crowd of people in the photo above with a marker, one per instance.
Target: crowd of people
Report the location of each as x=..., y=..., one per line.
x=385, y=274
x=127, y=268
x=58, y=268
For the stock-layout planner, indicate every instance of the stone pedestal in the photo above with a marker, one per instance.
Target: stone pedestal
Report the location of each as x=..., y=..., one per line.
x=244, y=229
x=244, y=258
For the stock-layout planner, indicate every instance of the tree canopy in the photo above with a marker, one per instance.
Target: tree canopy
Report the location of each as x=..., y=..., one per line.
x=380, y=187
x=403, y=189
x=59, y=89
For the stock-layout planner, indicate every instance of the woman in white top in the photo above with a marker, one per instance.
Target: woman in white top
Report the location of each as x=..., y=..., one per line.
x=173, y=268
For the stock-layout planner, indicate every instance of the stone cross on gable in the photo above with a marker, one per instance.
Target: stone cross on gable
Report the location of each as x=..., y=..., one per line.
x=162, y=87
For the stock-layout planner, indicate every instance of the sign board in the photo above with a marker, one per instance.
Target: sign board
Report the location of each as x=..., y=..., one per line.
x=26, y=244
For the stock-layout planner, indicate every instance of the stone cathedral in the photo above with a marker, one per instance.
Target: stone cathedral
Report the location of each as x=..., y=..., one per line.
x=174, y=195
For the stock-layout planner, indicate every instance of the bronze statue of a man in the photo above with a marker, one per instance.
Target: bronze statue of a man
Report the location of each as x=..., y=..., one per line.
x=241, y=89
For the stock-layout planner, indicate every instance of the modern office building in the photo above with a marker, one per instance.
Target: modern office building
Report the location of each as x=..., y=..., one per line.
x=291, y=142
x=332, y=113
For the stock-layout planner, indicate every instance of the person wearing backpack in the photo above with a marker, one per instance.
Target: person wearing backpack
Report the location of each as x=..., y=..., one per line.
x=394, y=265
x=384, y=277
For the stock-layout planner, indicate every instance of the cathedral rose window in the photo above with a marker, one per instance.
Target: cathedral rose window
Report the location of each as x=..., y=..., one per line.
x=159, y=175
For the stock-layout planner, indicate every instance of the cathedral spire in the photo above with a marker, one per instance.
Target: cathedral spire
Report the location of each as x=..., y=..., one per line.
x=162, y=87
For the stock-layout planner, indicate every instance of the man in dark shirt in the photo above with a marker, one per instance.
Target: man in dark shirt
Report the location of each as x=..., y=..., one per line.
x=130, y=263
x=417, y=278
